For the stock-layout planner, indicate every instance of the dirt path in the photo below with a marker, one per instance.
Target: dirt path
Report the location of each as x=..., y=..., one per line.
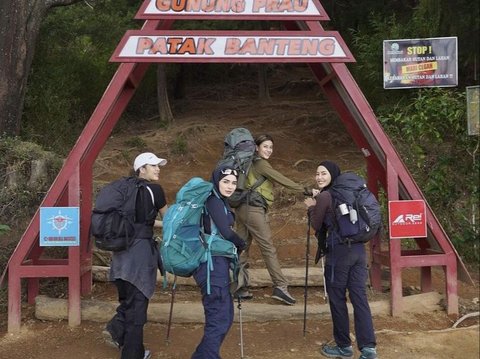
x=397, y=339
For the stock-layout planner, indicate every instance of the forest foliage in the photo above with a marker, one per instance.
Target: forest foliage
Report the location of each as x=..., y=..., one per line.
x=71, y=71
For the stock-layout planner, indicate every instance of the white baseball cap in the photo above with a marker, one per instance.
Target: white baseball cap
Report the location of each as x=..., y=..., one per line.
x=148, y=158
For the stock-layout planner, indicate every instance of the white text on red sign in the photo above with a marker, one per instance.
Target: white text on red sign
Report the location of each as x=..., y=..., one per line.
x=164, y=45
x=179, y=8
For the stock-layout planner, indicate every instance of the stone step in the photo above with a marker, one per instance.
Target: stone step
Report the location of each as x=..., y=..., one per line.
x=258, y=277
x=47, y=308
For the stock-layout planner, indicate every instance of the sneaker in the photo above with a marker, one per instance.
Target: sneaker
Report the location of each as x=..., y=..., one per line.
x=368, y=353
x=282, y=295
x=108, y=337
x=147, y=355
x=243, y=294
x=334, y=351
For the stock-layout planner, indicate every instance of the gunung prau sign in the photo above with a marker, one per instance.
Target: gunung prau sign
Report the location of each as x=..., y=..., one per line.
x=413, y=63
x=231, y=46
x=233, y=9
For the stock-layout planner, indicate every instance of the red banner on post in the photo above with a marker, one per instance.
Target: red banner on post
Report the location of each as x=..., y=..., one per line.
x=407, y=219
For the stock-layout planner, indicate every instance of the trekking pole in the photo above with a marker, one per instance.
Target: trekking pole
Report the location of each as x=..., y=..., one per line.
x=325, y=295
x=307, y=258
x=239, y=306
x=174, y=289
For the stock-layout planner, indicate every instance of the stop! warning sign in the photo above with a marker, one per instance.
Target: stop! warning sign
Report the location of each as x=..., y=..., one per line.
x=407, y=219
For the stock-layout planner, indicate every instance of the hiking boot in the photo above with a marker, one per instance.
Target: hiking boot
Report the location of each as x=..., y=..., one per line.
x=243, y=294
x=147, y=355
x=334, y=351
x=368, y=353
x=109, y=340
x=282, y=295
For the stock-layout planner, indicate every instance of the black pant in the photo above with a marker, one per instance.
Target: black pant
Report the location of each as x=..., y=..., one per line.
x=347, y=269
x=126, y=326
x=217, y=306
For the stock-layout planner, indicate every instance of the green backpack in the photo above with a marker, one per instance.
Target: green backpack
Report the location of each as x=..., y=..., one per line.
x=239, y=153
x=185, y=245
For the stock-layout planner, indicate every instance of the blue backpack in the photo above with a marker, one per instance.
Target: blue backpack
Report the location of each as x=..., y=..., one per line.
x=358, y=215
x=185, y=245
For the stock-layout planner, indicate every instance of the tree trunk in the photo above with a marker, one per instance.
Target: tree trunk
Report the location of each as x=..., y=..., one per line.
x=164, y=110
x=263, y=91
x=19, y=28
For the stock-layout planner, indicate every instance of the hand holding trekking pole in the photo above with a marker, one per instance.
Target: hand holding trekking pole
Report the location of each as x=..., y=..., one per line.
x=313, y=192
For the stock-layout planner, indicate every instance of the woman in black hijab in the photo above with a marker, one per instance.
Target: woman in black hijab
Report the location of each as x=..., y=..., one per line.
x=345, y=268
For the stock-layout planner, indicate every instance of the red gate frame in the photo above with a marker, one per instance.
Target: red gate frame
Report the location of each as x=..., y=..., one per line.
x=73, y=187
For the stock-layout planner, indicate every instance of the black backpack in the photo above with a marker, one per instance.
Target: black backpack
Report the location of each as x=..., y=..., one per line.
x=358, y=215
x=239, y=153
x=113, y=218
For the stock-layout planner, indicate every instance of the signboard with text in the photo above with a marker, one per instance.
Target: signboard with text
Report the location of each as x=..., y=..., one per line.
x=407, y=219
x=428, y=62
x=59, y=226
x=231, y=46
x=233, y=9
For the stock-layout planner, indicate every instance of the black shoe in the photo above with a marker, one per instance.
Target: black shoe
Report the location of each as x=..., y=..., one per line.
x=282, y=295
x=108, y=337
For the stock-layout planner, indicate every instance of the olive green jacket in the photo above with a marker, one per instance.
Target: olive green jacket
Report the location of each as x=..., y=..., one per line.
x=261, y=167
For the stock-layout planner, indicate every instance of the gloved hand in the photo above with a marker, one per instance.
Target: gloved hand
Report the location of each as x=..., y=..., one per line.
x=307, y=192
x=241, y=247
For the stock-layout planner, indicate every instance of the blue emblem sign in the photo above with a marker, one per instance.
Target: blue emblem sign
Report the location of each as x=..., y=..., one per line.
x=59, y=226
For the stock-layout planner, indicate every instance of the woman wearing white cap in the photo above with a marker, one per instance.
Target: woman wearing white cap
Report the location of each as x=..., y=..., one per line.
x=134, y=270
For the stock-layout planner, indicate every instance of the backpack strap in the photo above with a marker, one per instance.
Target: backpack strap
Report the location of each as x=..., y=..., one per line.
x=149, y=215
x=208, y=253
x=258, y=183
x=259, y=179
x=335, y=222
x=213, y=234
x=151, y=194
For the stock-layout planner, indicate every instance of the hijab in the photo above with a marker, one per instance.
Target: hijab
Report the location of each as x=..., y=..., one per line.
x=333, y=169
x=218, y=174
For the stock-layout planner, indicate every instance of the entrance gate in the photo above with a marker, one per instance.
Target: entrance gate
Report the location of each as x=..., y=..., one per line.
x=304, y=40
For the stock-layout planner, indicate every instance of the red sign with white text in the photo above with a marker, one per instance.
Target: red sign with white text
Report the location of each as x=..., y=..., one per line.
x=407, y=219
x=231, y=46
x=233, y=10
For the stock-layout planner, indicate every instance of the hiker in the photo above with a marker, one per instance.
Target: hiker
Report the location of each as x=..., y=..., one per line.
x=252, y=217
x=345, y=268
x=134, y=270
x=218, y=305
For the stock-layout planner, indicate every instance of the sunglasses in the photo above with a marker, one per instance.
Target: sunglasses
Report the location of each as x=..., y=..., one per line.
x=229, y=171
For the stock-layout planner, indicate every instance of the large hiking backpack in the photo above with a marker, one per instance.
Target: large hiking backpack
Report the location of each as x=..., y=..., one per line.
x=238, y=153
x=358, y=215
x=185, y=245
x=113, y=218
